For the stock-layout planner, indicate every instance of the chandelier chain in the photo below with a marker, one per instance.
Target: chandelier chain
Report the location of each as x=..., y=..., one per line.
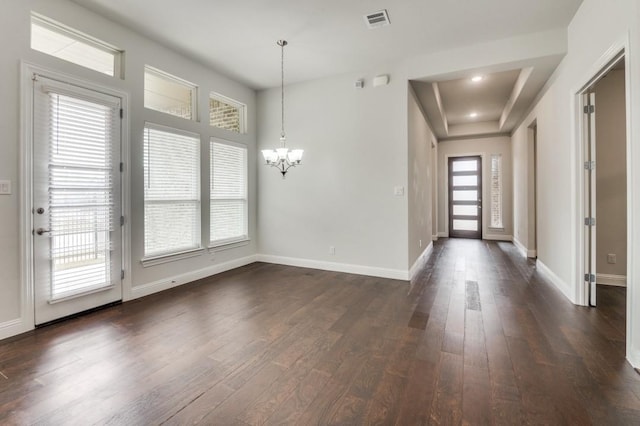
x=282, y=87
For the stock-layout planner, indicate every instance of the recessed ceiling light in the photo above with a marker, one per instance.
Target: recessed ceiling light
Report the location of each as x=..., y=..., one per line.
x=473, y=115
x=477, y=78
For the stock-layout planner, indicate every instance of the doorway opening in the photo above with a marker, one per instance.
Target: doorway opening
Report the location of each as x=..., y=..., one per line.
x=605, y=181
x=465, y=197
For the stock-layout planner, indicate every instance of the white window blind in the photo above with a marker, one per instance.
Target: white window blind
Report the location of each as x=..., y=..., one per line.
x=496, y=191
x=64, y=43
x=229, y=219
x=171, y=191
x=81, y=198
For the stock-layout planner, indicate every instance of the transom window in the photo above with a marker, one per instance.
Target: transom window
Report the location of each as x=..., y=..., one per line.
x=60, y=41
x=225, y=113
x=169, y=94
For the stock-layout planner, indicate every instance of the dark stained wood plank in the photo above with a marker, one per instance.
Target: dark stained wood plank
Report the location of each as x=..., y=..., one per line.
x=477, y=337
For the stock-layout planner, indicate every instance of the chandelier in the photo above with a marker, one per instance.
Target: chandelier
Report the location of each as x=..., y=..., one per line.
x=282, y=158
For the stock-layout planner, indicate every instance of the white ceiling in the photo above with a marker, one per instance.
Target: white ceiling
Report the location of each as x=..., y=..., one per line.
x=326, y=37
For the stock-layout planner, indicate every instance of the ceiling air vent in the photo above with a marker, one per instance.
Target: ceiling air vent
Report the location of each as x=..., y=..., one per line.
x=377, y=19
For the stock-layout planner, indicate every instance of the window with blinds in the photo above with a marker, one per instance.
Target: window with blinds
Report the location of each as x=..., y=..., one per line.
x=229, y=211
x=171, y=191
x=496, y=191
x=81, y=194
x=70, y=45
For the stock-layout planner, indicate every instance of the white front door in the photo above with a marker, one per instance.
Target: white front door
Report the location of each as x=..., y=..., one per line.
x=77, y=240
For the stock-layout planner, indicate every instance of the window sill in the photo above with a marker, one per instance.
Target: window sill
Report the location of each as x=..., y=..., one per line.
x=170, y=257
x=228, y=245
x=496, y=229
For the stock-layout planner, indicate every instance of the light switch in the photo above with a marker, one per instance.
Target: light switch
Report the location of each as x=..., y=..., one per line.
x=5, y=187
x=398, y=191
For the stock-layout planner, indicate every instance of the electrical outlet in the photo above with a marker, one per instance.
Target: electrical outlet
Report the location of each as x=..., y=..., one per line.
x=420, y=243
x=5, y=187
x=332, y=250
x=611, y=258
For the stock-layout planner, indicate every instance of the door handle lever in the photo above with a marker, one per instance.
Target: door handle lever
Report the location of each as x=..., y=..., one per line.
x=41, y=231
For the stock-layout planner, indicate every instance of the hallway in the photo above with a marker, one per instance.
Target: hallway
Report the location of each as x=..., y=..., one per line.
x=480, y=338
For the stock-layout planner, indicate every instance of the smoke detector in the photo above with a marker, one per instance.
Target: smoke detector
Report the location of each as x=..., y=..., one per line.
x=377, y=19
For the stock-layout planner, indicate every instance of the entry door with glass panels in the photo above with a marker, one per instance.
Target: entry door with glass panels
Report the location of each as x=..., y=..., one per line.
x=76, y=199
x=465, y=197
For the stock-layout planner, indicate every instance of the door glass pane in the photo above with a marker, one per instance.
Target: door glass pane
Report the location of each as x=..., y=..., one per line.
x=465, y=195
x=465, y=180
x=80, y=195
x=465, y=225
x=465, y=166
x=465, y=210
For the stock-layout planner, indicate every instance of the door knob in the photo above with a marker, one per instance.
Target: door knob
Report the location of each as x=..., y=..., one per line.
x=41, y=231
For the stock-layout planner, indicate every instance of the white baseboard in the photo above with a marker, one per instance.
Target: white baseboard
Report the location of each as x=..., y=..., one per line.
x=420, y=261
x=395, y=274
x=12, y=328
x=497, y=237
x=615, y=280
x=177, y=280
x=565, y=288
x=523, y=250
x=443, y=234
x=434, y=237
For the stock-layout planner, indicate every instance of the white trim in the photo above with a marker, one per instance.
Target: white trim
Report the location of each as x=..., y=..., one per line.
x=170, y=257
x=178, y=280
x=434, y=237
x=497, y=237
x=421, y=261
x=611, y=279
x=394, y=274
x=564, y=287
x=523, y=250
x=242, y=111
x=444, y=234
x=13, y=328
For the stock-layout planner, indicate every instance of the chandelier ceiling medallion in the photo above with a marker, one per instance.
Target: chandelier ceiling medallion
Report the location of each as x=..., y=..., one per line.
x=282, y=158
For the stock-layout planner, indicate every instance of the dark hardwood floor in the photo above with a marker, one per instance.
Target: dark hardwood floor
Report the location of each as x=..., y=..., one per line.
x=478, y=338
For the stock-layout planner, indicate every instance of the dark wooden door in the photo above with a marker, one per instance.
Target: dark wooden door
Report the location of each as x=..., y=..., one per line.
x=465, y=197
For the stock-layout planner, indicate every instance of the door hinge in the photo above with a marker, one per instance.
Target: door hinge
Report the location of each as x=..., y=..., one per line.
x=121, y=113
x=590, y=278
x=589, y=109
x=121, y=167
x=121, y=220
x=590, y=221
x=589, y=165
x=122, y=274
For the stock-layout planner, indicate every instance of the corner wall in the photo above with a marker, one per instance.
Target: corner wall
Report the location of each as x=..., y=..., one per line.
x=421, y=175
x=342, y=195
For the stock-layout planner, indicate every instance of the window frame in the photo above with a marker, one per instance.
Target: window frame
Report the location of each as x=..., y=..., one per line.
x=80, y=37
x=194, y=89
x=162, y=257
x=499, y=197
x=242, y=111
x=241, y=239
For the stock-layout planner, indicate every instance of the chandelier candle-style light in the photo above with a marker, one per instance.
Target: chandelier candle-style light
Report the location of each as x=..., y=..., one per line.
x=282, y=157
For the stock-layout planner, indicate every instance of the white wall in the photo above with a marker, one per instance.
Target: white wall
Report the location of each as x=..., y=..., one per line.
x=14, y=26
x=596, y=31
x=342, y=195
x=484, y=147
x=611, y=174
x=421, y=177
